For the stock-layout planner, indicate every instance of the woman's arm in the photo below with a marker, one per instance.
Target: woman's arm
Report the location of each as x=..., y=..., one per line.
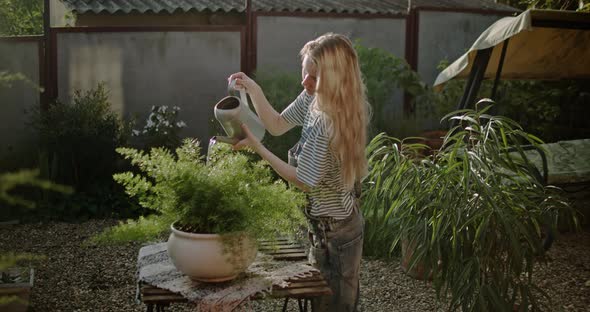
x=285, y=170
x=272, y=120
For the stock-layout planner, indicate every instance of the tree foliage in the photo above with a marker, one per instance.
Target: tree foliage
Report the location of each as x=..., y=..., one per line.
x=21, y=17
x=572, y=5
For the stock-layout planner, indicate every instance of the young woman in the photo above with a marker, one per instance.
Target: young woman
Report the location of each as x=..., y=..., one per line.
x=329, y=160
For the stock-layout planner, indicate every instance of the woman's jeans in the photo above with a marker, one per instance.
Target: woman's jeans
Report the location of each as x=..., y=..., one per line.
x=336, y=250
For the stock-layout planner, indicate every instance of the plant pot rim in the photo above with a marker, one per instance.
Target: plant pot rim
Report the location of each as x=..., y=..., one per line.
x=198, y=235
x=194, y=235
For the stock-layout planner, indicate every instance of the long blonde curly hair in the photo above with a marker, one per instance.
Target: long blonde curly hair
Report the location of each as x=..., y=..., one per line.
x=341, y=95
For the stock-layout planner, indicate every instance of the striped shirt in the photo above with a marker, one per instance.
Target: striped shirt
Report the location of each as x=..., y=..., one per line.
x=317, y=166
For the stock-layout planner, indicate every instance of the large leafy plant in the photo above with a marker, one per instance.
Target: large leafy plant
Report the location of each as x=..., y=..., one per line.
x=473, y=212
x=224, y=194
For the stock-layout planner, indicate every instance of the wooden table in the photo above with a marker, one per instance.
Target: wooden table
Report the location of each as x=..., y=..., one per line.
x=302, y=289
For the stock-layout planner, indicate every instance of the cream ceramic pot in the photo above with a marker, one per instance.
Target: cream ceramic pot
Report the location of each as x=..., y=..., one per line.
x=206, y=258
x=232, y=112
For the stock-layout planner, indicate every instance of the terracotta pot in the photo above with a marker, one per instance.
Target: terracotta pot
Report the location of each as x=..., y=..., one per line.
x=206, y=258
x=419, y=270
x=433, y=139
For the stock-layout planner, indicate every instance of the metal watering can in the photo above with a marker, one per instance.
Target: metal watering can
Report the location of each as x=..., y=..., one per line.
x=233, y=111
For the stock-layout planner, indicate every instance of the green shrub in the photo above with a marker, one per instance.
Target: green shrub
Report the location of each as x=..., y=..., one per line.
x=21, y=17
x=383, y=73
x=77, y=143
x=78, y=139
x=551, y=110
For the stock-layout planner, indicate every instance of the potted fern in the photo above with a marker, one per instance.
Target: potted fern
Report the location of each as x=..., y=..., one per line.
x=470, y=215
x=215, y=208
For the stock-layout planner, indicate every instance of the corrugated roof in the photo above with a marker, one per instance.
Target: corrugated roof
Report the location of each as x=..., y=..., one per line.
x=155, y=6
x=329, y=6
x=332, y=6
x=463, y=4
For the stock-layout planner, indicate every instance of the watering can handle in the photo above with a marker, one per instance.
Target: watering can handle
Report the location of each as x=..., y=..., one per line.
x=248, y=116
x=243, y=97
x=231, y=89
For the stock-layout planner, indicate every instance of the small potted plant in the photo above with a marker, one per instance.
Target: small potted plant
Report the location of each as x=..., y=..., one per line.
x=470, y=215
x=215, y=208
x=16, y=282
x=16, y=273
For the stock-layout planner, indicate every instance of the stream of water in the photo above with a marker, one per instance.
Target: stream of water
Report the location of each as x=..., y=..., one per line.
x=212, y=143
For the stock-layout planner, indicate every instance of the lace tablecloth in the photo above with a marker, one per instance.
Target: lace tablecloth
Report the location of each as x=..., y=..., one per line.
x=155, y=268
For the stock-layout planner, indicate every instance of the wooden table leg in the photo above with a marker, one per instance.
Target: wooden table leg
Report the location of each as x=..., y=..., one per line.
x=302, y=302
x=161, y=307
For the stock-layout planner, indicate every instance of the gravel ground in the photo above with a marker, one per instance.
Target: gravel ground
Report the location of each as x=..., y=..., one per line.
x=75, y=278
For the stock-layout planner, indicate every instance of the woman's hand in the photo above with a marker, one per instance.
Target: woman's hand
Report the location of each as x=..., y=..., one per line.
x=249, y=141
x=243, y=82
x=273, y=122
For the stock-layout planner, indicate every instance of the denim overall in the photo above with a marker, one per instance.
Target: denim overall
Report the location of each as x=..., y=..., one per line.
x=336, y=250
